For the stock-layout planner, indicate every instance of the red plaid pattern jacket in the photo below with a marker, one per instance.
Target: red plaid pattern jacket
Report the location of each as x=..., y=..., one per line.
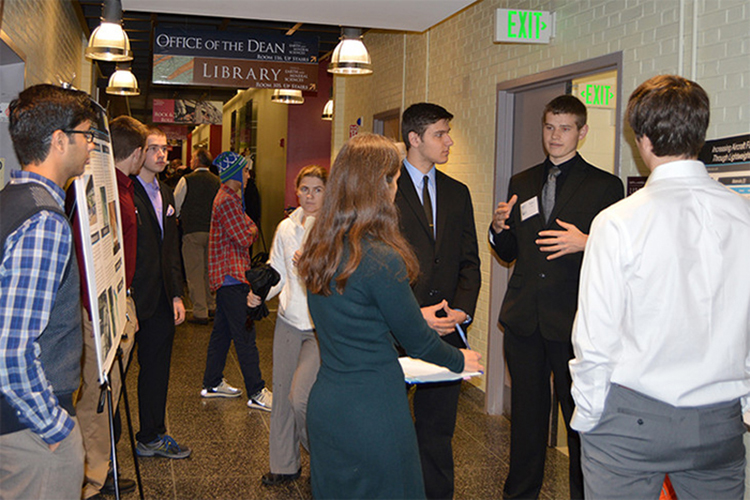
x=232, y=233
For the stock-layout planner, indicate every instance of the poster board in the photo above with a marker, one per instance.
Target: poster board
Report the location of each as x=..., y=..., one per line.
x=97, y=199
x=728, y=161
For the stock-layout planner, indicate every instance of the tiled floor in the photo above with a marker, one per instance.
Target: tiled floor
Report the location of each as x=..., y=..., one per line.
x=230, y=441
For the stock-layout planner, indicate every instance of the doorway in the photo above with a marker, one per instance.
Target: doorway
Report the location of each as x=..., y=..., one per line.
x=12, y=70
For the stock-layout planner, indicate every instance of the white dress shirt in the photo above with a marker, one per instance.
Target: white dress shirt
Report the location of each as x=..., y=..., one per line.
x=290, y=234
x=664, y=298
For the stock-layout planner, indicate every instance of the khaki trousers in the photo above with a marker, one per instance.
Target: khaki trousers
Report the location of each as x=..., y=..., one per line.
x=29, y=470
x=95, y=426
x=195, y=258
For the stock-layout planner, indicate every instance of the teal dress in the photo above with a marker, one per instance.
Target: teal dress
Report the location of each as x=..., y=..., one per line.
x=362, y=438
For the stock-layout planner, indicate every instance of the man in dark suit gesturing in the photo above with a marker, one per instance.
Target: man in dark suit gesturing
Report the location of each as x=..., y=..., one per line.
x=543, y=227
x=157, y=289
x=437, y=218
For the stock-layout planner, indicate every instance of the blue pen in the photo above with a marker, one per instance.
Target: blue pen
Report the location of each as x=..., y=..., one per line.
x=463, y=335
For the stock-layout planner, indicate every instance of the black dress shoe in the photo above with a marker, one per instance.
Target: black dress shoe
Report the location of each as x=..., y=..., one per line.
x=271, y=479
x=126, y=485
x=198, y=321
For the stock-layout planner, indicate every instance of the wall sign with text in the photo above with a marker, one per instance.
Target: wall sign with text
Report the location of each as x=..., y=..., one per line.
x=260, y=59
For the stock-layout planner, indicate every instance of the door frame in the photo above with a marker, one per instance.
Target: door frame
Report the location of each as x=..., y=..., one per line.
x=497, y=400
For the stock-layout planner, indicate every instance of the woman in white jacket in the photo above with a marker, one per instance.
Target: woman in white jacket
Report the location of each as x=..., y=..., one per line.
x=296, y=358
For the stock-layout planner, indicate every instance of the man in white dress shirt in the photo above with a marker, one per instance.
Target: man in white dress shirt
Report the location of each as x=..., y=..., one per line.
x=662, y=334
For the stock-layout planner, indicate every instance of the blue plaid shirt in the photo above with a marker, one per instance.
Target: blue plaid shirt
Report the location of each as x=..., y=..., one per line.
x=33, y=263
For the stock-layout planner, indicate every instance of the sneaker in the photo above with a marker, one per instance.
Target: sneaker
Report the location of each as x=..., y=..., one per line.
x=263, y=400
x=223, y=390
x=164, y=446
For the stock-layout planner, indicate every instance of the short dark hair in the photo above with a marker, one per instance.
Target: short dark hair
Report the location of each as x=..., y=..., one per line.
x=418, y=117
x=38, y=112
x=673, y=112
x=567, y=105
x=154, y=130
x=203, y=158
x=128, y=134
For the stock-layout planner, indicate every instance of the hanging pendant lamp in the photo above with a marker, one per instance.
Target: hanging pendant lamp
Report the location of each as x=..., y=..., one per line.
x=350, y=57
x=109, y=42
x=328, y=111
x=287, y=96
x=123, y=82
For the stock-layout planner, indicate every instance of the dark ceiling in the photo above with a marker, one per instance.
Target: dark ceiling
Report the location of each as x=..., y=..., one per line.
x=140, y=27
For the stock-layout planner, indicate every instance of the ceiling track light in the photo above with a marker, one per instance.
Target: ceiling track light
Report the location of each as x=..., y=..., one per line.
x=123, y=82
x=350, y=57
x=109, y=42
x=287, y=96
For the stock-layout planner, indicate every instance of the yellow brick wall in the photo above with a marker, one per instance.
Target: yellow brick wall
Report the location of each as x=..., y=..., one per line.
x=49, y=37
x=456, y=65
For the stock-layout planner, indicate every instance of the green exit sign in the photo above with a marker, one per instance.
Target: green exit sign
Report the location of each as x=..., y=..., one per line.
x=598, y=94
x=524, y=26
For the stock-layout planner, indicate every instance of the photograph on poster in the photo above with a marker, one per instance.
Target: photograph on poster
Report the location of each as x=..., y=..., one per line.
x=105, y=215
x=91, y=200
x=105, y=334
x=113, y=223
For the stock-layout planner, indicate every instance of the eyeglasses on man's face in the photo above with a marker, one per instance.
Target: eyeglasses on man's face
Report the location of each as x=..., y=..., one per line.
x=156, y=149
x=88, y=134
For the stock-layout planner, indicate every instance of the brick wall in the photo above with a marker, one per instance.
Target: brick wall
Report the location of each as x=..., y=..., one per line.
x=456, y=65
x=49, y=37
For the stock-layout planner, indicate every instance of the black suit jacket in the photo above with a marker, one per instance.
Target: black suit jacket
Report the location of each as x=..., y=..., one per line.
x=449, y=267
x=543, y=292
x=157, y=266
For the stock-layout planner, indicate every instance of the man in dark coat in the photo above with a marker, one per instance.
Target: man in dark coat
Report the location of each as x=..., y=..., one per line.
x=437, y=219
x=543, y=228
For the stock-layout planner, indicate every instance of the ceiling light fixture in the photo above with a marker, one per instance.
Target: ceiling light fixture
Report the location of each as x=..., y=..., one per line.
x=350, y=57
x=109, y=42
x=328, y=110
x=123, y=82
x=287, y=96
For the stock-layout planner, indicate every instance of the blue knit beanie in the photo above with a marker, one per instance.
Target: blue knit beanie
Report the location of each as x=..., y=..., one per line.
x=230, y=166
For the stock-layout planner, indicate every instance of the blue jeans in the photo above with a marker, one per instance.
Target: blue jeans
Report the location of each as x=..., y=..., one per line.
x=229, y=325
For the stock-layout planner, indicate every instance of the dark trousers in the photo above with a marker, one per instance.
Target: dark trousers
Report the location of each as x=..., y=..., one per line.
x=531, y=360
x=229, y=325
x=154, y=338
x=435, y=407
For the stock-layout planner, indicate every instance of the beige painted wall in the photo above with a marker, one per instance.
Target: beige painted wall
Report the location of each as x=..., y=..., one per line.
x=270, y=161
x=457, y=65
x=48, y=36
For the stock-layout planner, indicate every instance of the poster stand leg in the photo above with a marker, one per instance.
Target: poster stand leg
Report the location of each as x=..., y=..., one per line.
x=107, y=389
x=124, y=394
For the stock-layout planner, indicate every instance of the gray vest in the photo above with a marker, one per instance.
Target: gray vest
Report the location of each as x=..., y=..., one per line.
x=195, y=214
x=61, y=342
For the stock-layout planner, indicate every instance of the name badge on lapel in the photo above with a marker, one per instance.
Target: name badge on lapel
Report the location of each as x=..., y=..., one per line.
x=529, y=208
x=170, y=210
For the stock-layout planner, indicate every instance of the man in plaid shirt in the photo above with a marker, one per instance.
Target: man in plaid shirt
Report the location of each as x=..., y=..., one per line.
x=41, y=453
x=232, y=233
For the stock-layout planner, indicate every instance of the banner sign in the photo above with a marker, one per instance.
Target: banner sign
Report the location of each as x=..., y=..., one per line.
x=261, y=59
x=187, y=111
x=728, y=161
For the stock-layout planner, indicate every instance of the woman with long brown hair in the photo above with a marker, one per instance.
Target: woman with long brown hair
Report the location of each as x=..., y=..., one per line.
x=357, y=268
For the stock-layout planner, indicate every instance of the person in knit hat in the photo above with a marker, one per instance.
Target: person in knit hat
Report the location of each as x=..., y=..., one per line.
x=232, y=232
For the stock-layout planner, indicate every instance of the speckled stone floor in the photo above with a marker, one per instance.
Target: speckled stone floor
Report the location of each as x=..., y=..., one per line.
x=230, y=441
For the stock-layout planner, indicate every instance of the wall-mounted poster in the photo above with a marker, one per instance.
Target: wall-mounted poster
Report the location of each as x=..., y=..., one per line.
x=728, y=161
x=97, y=198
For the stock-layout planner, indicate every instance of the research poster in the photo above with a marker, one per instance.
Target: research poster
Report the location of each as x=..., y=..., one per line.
x=98, y=210
x=728, y=161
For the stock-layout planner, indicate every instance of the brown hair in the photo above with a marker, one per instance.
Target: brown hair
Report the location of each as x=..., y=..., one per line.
x=128, y=134
x=312, y=171
x=358, y=205
x=567, y=105
x=154, y=130
x=672, y=112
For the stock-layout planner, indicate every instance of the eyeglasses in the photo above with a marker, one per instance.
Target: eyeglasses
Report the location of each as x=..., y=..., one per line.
x=89, y=134
x=155, y=149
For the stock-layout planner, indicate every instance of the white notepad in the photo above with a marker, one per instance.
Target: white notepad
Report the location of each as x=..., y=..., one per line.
x=417, y=371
